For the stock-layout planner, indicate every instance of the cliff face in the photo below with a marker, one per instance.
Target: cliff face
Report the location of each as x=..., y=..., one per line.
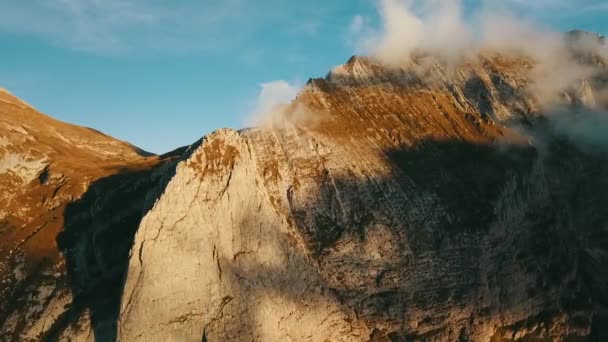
x=403, y=206
x=45, y=166
x=429, y=202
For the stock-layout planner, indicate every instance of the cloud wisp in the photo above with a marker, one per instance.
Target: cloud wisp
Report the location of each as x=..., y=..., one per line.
x=439, y=27
x=440, y=30
x=271, y=103
x=111, y=27
x=275, y=108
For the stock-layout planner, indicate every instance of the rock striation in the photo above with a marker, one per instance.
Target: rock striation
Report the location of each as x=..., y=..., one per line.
x=434, y=201
x=440, y=206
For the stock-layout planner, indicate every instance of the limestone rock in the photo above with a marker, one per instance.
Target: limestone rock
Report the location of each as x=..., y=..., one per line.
x=405, y=211
x=427, y=202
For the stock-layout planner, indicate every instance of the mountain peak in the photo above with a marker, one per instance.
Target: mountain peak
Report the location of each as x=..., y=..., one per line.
x=406, y=179
x=357, y=60
x=582, y=38
x=445, y=181
x=582, y=33
x=356, y=67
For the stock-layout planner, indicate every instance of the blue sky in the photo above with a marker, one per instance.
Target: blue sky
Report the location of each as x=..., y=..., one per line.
x=161, y=74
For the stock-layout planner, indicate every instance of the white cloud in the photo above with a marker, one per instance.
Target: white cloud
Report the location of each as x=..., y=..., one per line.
x=357, y=25
x=273, y=97
x=158, y=26
x=406, y=26
x=587, y=128
x=439, y=27
x=359, y=34
x=443, y=27
x=91, y=25
x=410, y=28
x=275, y=93
x=402, y=31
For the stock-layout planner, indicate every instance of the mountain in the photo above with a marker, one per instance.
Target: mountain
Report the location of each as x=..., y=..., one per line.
x=45, y=165
x=35, y=147
x=434, y=201
x=405, y=209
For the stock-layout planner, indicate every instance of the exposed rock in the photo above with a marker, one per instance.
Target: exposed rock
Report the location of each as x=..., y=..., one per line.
x=411, y=210
x=427, y=202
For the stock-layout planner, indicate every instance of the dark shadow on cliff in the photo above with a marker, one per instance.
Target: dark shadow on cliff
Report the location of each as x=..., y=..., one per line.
x=464, y=179
x=467, y=178
x=98, y=234
x=561, y=241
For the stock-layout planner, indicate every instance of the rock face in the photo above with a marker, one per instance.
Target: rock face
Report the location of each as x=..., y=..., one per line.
x=405, y=208
x=429, y=202
x=45, y=166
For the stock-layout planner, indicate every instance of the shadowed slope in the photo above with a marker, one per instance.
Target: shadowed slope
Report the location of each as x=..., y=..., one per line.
x=44, y=165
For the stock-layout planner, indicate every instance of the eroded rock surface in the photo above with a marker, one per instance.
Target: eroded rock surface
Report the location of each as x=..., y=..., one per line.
x=406, y=210
x=428, y=202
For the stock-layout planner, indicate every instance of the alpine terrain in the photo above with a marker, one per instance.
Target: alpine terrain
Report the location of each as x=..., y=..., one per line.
x=429, y=200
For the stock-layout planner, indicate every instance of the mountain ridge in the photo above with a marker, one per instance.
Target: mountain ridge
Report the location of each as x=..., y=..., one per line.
x=396, y=213
x=45, y=164
x=433, y=201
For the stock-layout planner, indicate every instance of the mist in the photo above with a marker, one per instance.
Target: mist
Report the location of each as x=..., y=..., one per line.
x=560, y=81
x=271, y=103
x=275, y=107
x=440, y=30
x=586, y=128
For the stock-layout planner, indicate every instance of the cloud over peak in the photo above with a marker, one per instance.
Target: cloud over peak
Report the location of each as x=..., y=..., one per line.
x=272, y=99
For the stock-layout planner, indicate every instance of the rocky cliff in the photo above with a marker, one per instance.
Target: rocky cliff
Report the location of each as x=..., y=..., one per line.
x=406, y=206
x=432, y=201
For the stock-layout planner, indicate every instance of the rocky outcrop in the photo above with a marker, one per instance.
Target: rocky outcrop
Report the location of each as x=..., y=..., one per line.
x=45, y=165
x=406, y=209
x=428, y=202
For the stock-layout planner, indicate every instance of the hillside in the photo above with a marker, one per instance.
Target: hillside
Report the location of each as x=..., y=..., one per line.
x=45, y=165
x=436, y=200
x=400, y=206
